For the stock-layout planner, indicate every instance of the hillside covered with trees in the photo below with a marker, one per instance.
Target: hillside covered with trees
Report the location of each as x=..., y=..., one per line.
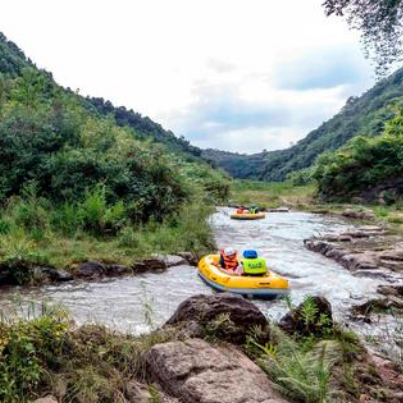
x=71, y=171
x=364, y=115
x=368, y=167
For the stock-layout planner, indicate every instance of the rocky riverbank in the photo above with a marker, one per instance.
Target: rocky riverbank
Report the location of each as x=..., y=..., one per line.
x=222, y=349
x=368, y=251
x=21, y=272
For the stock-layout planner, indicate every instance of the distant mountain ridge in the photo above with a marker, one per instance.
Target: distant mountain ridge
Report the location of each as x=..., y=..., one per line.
x=13, y=61
x=364, y=115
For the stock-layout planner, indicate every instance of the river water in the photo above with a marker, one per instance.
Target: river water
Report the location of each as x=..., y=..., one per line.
x=136, y=303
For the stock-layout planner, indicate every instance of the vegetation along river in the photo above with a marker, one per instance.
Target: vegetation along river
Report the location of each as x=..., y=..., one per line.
x=135, y=303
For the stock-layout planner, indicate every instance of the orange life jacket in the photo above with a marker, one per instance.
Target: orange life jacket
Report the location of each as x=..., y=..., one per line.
x=230, y=262
x=239, y=211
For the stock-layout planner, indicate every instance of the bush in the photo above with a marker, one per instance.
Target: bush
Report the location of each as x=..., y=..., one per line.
x=300, y=373
x=301, y=178
x=97, y=217
x=27, y=349
x=363, y=164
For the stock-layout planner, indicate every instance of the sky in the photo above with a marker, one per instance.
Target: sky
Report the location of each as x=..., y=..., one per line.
x=236, y=75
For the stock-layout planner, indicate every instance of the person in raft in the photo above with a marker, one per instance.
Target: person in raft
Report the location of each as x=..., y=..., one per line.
x=250, y=265
x=229, y=261
x=242, y=210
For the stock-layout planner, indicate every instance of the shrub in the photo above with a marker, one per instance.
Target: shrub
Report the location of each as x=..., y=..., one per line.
x=302, y=375
x=363, y=164
x=27, y=348
x=96, y=216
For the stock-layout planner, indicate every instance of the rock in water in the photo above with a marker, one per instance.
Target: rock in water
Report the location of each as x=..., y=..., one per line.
x=171, y=260
x=90, y=269
x=196, y=372
x=242, y=315
x=151, y=264
x=317, y=308
x=280, y=210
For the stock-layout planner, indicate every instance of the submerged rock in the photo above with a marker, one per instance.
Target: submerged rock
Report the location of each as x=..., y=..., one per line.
x=321, y=317
x=228, y=316
x=196, y=372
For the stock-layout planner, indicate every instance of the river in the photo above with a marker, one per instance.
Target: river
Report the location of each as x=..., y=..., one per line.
x=136, y=303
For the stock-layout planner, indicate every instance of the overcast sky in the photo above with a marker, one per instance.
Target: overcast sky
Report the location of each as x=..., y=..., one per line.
x=238, y=75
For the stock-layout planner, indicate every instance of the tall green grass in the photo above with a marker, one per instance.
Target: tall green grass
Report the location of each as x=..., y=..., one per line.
x=34, y=230
x=271, y=194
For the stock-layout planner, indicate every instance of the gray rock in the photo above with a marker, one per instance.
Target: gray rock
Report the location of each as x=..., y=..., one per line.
x=192, y=258
x=336, y=253
x=358, y=215
x=195, y=372
x=173, y=260
x=118, y=270
x=137, y=393
x=61, y=275
x=375, y=273
x=396, y=290
x=151, y=264
x=48, y=399
x=280, y=210
x=242, y=315
x=90, y=270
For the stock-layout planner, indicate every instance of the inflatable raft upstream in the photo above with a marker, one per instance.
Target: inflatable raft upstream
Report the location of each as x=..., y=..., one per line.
x=248, y=216
x=268, y=286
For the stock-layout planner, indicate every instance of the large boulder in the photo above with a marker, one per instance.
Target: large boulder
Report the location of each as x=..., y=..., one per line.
x=313, y=316
x=228, y=316
x=196, y=372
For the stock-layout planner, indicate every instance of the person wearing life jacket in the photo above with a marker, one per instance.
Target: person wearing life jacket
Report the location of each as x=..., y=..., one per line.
x=229, y=260
x=252, y=264
x=254, y=210
x=242, y=210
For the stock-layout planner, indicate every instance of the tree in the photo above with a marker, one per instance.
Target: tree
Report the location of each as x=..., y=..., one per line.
x=380, y=23
x=2, y=92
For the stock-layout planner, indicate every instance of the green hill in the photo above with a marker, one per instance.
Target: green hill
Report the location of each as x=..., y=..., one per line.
x=80, y=178
x=364, y=115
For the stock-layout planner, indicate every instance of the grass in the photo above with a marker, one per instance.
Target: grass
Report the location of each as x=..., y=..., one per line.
x=271, y=194
x=275, y=194
x=45, y=354
x=31, y=233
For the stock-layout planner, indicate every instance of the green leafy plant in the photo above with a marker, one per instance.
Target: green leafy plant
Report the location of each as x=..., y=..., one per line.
x=302, y=375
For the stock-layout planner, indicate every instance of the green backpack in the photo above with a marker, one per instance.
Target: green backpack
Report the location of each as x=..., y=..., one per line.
x=254, y=267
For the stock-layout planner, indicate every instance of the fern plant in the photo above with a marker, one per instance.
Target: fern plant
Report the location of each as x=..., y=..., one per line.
x=309, y=311
x=301, y=375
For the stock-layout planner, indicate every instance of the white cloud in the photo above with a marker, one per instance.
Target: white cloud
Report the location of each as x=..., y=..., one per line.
x=257, y=63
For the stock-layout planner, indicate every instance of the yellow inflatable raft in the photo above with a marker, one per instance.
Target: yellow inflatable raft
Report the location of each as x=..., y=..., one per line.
x=268, y=286
x=248, y=216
